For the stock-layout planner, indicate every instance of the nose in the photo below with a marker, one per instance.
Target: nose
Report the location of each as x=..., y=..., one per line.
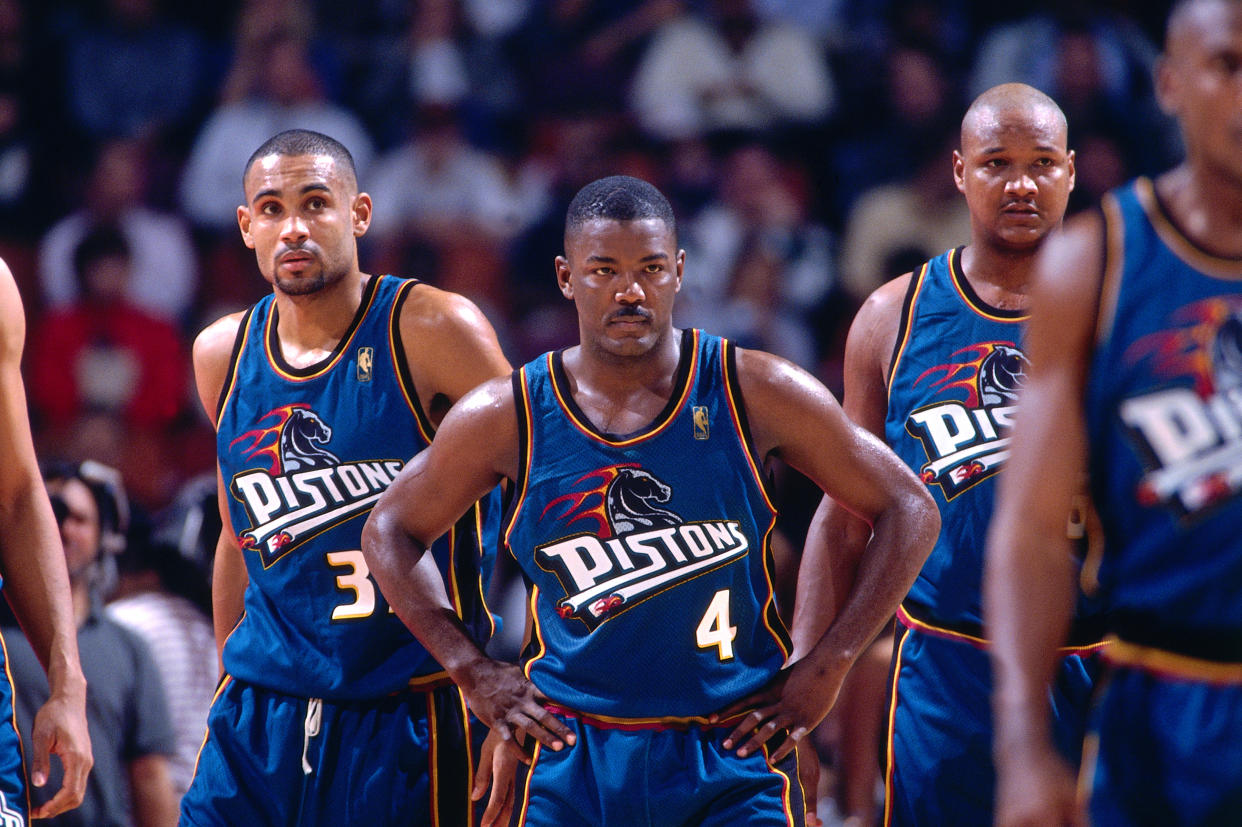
x=294, y=228
x=630, y=292
x=1022, y=184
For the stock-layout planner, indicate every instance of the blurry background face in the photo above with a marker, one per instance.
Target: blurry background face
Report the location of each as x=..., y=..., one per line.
x=79, y=528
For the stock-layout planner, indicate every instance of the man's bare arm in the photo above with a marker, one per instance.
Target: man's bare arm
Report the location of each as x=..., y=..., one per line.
x=794, y=417
x=475, y=447
x=450, y=347
x=1029, y=574
x=36, y=583
x=836, y=539
x=212, y=352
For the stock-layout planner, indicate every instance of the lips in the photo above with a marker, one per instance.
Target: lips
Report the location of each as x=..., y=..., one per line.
x=1020, y=209
x=294, y=259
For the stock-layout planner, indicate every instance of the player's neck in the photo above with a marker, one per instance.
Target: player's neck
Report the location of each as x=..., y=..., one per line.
x=1001, y=278
x=622, y=394
x=1204, y=206
x=310, y=327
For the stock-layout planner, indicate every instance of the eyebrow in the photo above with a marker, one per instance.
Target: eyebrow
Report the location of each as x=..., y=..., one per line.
x=611, y=260
x=992, y=150
x=275, y=193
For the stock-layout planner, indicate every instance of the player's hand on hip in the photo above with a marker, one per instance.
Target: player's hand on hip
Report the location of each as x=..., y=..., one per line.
x=498, y=761
x=60, y=728
x=511, y=705
x=794, y=702
x=1035, y=788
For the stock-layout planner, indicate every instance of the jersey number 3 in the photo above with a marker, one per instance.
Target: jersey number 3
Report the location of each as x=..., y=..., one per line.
x=354, y=580
x=714, y=628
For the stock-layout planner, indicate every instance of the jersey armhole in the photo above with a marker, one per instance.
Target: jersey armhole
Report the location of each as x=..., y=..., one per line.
x=733, y=388
x=230, y=376
x=404, y=377
x=903, y=322
x=514, y=494
x=1111, y=266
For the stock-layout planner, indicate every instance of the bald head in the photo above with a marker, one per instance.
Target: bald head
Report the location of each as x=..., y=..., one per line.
x=1012, y=103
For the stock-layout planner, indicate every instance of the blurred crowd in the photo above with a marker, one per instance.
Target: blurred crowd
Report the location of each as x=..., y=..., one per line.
x=805, y=145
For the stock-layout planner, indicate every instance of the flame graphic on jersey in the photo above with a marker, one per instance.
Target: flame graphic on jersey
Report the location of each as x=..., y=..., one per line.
x=963, y=376
x=1187, y=350
x=580, y=503
x=257, y=448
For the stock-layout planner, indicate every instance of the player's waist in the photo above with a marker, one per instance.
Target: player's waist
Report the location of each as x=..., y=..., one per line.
x=652, y=723
x=1148, y=642
x=1086, y=634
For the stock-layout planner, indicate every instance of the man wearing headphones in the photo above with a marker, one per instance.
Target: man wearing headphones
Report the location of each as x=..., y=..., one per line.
x=126, y=708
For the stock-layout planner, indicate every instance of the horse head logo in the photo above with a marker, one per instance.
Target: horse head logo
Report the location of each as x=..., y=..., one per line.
x=631, y=498
x=301, y=439
x=1001, y=375
x=1227, y=354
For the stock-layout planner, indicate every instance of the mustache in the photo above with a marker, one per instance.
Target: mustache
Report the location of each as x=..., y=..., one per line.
x=629, y=313
x=303, y=247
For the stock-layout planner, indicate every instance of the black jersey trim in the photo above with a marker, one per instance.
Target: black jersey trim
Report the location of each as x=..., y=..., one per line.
x=513, y=497
x=728, y=354
x=904, y=321
x=686, y=360
x=1176, y=238
x=958, y=276
x=398, y=357
x=310, y=371
x=230, y=376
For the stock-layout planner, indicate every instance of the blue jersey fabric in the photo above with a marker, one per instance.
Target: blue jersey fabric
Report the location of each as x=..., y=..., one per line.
x=304, y=454
x=956, y=370
x=1164, y=417
x=957, y=366
x=648, y=553
x=272, y=759
x=621, y=776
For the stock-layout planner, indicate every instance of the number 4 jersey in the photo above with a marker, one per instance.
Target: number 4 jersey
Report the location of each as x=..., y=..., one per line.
x=648, y=556
x=304, y=454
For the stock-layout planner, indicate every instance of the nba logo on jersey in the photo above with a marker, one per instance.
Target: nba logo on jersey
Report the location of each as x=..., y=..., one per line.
x=701, y=430
x=365, y=360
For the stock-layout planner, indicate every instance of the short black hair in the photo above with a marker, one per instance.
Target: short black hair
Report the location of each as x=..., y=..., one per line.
x=101, y=241
x=618, y=198
x=303, y=142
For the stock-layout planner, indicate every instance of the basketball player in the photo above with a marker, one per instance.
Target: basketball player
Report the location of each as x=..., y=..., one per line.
x=330, y=712
x=1136, y=351
x=36, y=585
x=933, y=364
x=641, y=518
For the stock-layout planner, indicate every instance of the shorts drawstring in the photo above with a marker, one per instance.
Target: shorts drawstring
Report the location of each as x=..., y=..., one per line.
x=310, y=728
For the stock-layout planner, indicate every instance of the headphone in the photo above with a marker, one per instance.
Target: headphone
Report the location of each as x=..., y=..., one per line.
x=108, y=490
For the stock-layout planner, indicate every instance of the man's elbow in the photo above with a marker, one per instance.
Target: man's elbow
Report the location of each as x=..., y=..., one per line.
x=923, y=517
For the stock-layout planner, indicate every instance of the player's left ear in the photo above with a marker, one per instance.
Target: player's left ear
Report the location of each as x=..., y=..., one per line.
x=360, y=212
x=680, y=267
x=563, y=277
x=1070, y=169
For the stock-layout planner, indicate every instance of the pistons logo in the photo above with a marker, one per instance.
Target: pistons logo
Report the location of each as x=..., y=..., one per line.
x=1188, y=432
x=966, y=438
x=630, y=544
x=294, y=487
